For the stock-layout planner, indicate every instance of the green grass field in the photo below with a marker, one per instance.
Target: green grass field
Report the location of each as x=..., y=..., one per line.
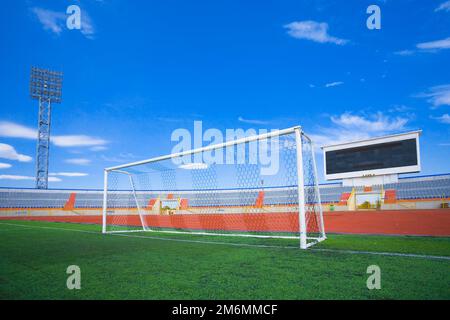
x=34, y=257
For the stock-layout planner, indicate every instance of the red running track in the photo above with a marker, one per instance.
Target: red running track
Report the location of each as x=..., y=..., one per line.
x=400, y=222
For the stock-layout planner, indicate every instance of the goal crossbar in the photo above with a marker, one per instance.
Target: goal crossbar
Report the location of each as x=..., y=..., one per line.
x=210, y=148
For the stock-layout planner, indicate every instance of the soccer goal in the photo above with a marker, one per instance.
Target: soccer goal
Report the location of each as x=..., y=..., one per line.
x=262, y=185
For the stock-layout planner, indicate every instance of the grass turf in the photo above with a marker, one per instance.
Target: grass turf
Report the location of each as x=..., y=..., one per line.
x=34, y=260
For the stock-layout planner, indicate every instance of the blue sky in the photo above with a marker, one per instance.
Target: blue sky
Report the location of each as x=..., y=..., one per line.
x=138, y=70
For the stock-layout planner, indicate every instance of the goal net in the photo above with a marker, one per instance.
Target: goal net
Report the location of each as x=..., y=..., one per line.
x=256, y=186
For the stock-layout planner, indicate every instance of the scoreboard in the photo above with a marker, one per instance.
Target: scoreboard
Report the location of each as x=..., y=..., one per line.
x=392, y=154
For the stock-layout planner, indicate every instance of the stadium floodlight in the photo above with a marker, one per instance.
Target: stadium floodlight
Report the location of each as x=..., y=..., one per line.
x=46, y=87
x=172, y=194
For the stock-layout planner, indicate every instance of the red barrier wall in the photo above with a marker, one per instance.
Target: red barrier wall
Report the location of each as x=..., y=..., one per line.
x=402, y=222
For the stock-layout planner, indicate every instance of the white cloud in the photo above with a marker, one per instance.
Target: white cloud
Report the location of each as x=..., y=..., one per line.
x=404, y=52
x=87, y=27
x=51, y=20
x=16, y=177
x=14, y=130
x=328, y=136
x=98, y=148
x=435, y=45
x=333, y=84
x=349, y=127
x=252, y=121
x=5, y=165
x=8, y=152
x=399, y=108
x=194, y=166
x=77, y=141
x=121, y=158
x=55, y=21
x=428, y=47
x=68, y=174
x=445, y=6
x=312, y=30
x=445, y=118
x=79, y=161
x=437, y=96
x=378, y=123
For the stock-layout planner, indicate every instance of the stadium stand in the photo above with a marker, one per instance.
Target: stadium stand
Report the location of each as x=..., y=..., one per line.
x=408, y=188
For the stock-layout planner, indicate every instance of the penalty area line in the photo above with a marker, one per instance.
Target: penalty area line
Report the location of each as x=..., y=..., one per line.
x=341, y=251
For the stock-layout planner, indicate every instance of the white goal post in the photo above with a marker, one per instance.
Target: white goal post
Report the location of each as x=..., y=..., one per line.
x=263, y=186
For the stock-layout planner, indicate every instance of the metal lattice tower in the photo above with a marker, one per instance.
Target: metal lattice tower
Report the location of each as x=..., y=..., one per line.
x=46, y=87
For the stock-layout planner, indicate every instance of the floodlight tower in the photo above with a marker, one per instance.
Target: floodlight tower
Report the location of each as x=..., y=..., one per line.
x=46, y=87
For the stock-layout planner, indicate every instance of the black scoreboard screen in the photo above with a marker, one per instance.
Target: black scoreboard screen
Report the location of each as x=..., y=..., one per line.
x=372, y=157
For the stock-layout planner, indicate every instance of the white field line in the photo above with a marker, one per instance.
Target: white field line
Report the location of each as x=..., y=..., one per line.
x=194, y=233
x=342, y=251
x=391, y=254
x=49, y=228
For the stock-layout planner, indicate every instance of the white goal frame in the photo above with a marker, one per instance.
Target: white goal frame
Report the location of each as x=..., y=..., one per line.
x=297, y=131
